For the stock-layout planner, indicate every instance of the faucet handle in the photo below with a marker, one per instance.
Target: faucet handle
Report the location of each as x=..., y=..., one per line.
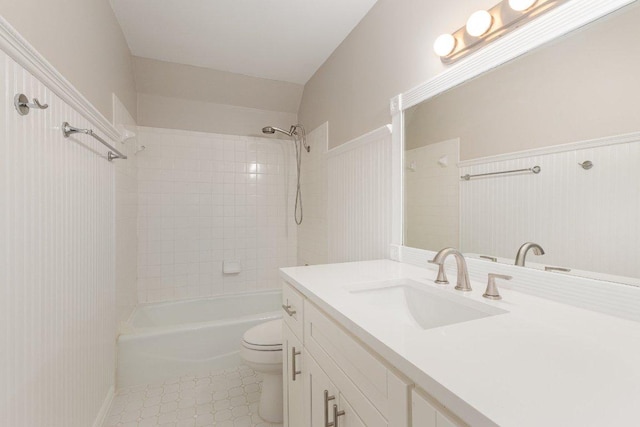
x=442, y=275
x=492, y=290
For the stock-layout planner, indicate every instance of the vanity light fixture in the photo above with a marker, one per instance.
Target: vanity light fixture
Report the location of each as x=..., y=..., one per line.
x=484, y=26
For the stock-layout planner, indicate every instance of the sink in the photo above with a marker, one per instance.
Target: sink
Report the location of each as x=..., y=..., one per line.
x=421, y=305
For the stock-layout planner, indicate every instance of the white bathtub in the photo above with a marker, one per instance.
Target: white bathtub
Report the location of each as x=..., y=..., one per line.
x=167, y=340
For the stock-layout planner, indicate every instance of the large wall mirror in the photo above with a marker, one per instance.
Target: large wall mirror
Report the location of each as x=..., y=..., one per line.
x=569, y=110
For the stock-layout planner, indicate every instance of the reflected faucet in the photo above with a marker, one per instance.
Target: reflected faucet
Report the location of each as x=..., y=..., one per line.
x=463, y=275
x=522, y=252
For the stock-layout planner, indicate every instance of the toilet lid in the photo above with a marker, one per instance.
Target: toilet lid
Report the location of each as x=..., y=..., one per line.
x=266, y=336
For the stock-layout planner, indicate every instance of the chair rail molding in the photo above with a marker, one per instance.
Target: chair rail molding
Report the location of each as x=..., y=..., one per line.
x=21, y=51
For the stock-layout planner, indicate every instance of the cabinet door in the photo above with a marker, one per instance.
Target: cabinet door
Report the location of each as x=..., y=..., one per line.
x=322, y=394
x=293, y=381
x=349, y=417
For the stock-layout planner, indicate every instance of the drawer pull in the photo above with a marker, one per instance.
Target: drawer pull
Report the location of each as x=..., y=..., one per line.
x=294, y=371
x=287, y=308
x=336, y=414
x=327, y=398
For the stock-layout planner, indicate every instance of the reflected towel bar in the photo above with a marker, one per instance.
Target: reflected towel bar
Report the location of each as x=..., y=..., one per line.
x=67, y=130
x=535, y=169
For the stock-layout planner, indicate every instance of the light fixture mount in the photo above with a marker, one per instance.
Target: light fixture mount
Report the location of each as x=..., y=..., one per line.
x=483, y=27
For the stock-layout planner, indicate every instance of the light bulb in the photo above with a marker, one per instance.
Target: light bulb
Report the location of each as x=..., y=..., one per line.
x=521, y=5
x=444, y=44
x=479, y=23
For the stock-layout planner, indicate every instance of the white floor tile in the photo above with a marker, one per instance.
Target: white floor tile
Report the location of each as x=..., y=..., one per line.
x=226, y=398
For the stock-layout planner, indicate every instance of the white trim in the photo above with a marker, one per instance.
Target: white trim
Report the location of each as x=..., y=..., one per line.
x=541, y=30
x=19, y=49
x=365, y=139
x=572, y=146
x=104, y=409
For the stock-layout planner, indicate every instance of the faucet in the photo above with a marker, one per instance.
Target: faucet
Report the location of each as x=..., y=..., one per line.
x=522, y=252
x=463, y=275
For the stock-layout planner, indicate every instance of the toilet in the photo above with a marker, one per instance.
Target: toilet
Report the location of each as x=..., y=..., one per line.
x=262, y=351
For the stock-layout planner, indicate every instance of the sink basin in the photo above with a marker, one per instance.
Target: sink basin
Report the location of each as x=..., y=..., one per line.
x=421, y=305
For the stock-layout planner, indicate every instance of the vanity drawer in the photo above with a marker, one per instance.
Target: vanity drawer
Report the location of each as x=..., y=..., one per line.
x=383, y=388
x=426, y=412
x=293, y=309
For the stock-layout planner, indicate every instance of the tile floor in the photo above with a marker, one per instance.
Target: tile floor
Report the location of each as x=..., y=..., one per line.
x=227, y=398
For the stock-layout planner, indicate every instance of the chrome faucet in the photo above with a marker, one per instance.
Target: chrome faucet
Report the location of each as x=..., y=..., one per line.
x=463, y=275
x=522, y=252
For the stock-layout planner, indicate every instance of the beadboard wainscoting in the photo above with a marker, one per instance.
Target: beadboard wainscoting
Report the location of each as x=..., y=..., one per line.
x=359, y=198
x=313, y=232
x=208, y=198
x=57, y=262
x=564, y=208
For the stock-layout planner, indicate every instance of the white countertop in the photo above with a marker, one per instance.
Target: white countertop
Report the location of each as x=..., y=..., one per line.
x=541, y=364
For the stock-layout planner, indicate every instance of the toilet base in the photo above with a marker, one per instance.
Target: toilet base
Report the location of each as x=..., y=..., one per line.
x=271, y=407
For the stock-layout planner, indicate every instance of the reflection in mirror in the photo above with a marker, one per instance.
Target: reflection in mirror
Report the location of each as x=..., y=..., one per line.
x=571, y=108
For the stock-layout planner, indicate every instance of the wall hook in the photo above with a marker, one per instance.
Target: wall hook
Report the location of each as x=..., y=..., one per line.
x=586, y=165
x=141, y=148
x=22, y=104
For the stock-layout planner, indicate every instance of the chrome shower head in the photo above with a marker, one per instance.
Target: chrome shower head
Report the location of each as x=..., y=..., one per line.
x=270, y=130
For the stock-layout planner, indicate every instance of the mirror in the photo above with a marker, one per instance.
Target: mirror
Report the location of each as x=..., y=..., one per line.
x=570, y=109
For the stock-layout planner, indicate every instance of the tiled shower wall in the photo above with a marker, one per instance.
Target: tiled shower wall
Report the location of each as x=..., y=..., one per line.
x=209, y=198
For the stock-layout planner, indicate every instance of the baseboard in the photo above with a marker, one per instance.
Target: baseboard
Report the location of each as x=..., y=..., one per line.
x=104, y=410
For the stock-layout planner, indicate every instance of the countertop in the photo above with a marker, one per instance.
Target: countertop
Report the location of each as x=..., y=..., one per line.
x=540, y=364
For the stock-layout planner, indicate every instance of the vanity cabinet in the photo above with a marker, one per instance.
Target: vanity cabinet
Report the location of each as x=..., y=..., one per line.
x=293, y=365
x=337, y=369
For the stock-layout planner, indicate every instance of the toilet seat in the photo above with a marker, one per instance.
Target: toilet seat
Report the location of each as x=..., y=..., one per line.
x=264, y=337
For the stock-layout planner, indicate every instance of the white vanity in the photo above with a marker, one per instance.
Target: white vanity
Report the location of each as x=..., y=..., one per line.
x=357, y=340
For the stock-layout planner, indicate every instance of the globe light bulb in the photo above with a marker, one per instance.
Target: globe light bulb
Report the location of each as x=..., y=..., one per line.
x=521, y=5
x=444, y=44
x=479, y=23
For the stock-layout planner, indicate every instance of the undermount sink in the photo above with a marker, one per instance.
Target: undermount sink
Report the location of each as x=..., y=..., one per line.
x=420, y=304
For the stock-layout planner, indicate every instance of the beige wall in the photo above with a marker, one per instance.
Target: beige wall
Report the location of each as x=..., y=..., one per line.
x=583, y=86
x=193, y=98
x=83, y=41
x=389, y=52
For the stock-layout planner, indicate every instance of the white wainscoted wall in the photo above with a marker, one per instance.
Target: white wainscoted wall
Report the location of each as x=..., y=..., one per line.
x=57, y=262
x=582, y=218
x=359, y=198
x=126, y=215
x=313, y=232
x=208, y=198
x=432, y=199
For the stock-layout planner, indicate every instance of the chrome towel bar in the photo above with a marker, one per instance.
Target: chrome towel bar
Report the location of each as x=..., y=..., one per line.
x=67, y=130
x=535, y=169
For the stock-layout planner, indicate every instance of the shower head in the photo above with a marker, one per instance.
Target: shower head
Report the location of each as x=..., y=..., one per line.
x=270, y=130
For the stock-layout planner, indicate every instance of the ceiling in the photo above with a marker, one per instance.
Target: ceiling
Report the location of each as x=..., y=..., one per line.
x=286, y=40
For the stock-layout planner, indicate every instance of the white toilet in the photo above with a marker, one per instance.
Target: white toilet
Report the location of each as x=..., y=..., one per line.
x=262, y=351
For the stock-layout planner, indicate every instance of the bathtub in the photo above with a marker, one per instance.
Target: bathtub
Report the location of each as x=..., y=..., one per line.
x=168, y=340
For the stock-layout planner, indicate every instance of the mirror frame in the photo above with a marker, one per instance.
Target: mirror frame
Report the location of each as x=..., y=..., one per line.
x=556, y=23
